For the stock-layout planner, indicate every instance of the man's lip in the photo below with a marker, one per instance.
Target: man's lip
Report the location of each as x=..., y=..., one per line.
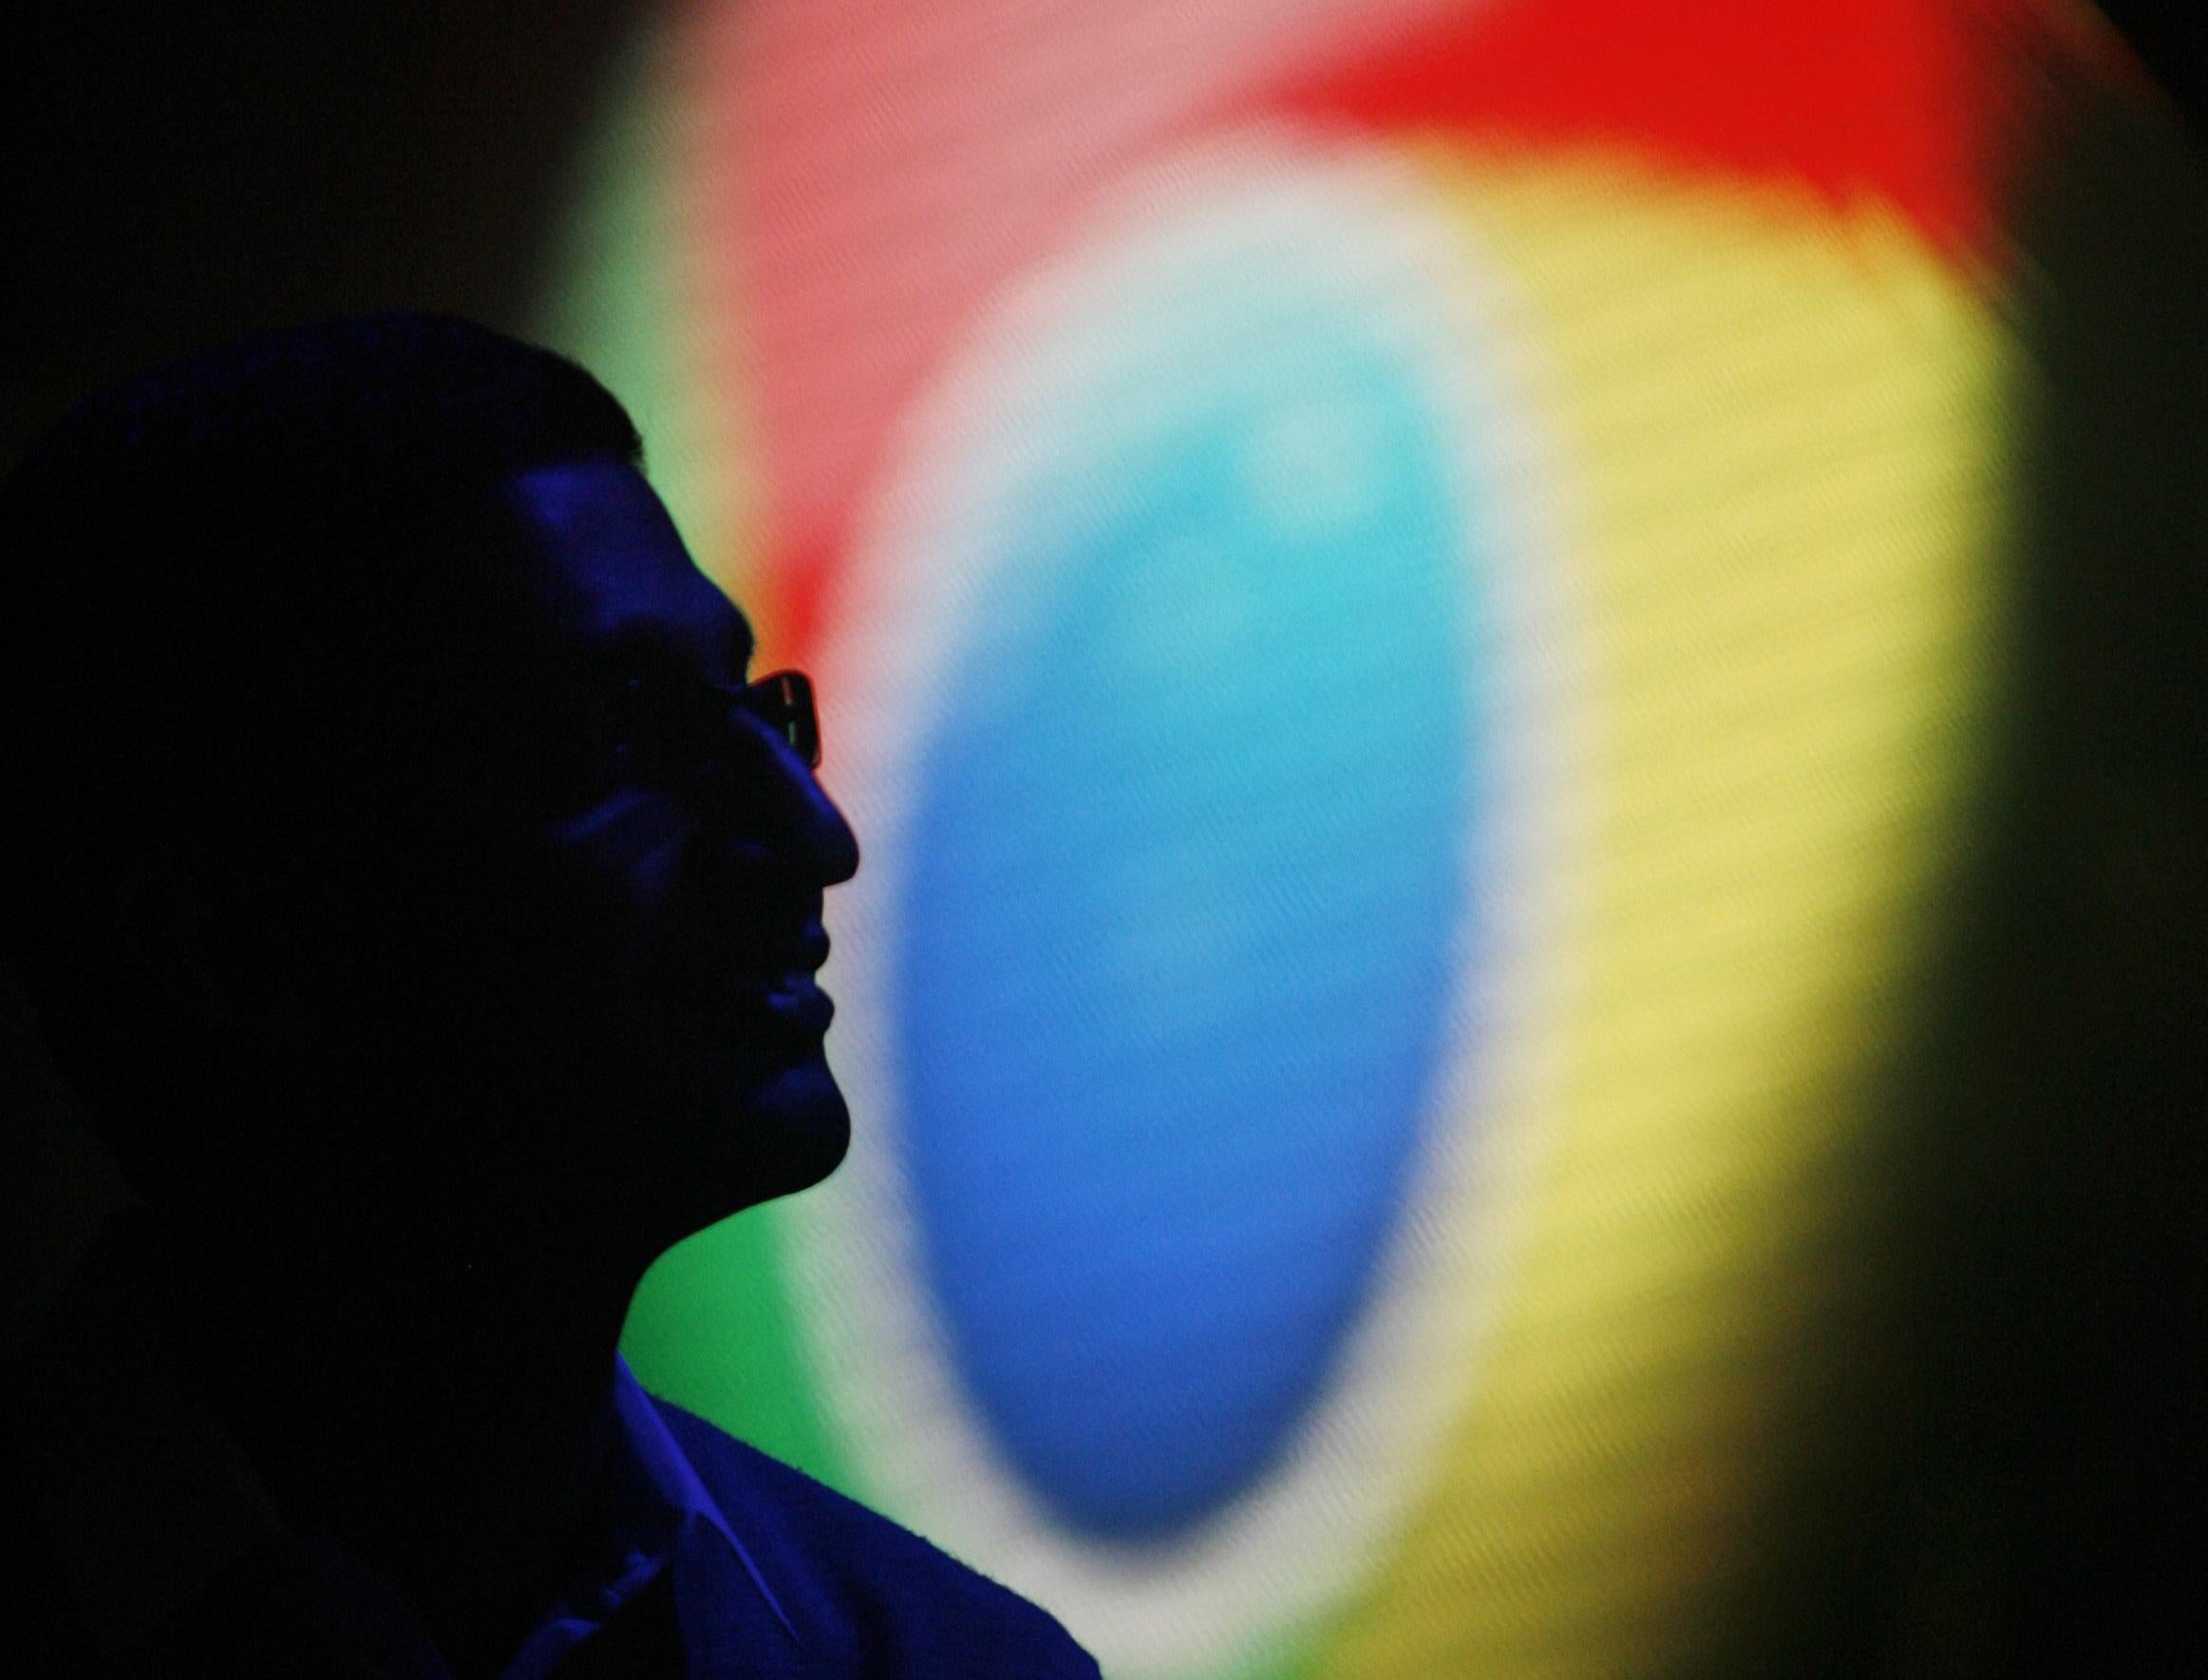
x=778, y=981
x=804, y=951
x=798, y=1003
x=747, y=959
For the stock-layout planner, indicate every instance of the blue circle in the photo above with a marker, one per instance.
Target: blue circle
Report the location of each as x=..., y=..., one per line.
x=1187, y=897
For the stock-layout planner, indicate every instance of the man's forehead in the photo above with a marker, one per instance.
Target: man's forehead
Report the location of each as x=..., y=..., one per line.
x=603, y=563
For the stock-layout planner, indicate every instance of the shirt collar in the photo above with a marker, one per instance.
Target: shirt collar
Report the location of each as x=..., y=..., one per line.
x=656, y=1486
x=658, y=1515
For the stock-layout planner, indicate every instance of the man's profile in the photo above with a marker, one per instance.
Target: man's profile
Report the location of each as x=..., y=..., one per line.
x=413, y=879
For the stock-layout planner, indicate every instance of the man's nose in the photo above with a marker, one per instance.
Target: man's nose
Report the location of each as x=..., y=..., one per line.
x=829, y=838
x=801, y=817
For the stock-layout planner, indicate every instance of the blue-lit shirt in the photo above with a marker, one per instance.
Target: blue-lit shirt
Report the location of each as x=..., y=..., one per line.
x=772, y=1575
x=661, y=1517
x=658, y=1516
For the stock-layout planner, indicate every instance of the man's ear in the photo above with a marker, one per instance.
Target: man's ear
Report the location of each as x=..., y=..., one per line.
x=213, y=941
x=60, y=1181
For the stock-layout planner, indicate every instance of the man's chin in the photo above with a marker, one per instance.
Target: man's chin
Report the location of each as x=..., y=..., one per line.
x=793, y=1126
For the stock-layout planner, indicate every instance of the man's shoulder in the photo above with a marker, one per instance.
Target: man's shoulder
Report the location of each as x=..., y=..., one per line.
x=873, y=1593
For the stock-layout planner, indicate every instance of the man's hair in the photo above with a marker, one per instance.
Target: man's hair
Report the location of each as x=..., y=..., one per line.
x=201, y=568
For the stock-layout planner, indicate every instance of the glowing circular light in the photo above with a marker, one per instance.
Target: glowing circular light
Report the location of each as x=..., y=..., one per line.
x=1163, y=1284
x=1406, y=615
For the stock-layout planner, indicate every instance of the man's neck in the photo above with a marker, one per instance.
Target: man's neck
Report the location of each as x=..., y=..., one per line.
x=432, y=1399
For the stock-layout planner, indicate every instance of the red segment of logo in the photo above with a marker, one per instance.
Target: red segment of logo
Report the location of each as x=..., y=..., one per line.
x=863, y=178
x=1934, y=107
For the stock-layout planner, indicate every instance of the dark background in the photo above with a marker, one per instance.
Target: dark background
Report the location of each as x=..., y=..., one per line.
x=176, y=174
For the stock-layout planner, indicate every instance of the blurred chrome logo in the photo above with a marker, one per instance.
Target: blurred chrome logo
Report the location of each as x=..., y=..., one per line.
x=1172, y=668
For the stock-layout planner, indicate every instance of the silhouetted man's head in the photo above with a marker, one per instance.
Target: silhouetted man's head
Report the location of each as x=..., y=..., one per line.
x=384, y=811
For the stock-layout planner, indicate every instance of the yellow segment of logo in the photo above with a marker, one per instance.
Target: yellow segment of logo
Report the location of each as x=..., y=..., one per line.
x=1776, y=423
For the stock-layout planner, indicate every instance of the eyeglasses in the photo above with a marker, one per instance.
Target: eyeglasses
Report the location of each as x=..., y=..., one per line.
x=784, y=701
x=665, y=719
